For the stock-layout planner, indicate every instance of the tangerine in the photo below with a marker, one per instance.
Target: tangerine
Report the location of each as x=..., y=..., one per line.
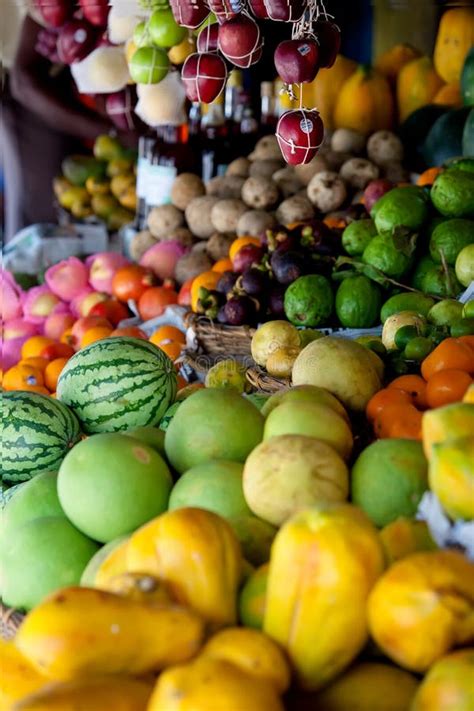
x=172, y=349
x=446, y=387
x=451, y=354
x=222, y=265
x=24, y=377
x=415, y=386
x=382, y=399
x=33, y=347
x=36, y=362
x=98, y=333
x=153, y=302
x=131, y=332
x=166, y=334
x=52, y=373
x=400, y=420
x=131, y=281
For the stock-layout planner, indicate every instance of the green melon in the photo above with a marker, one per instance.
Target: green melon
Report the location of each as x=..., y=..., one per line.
x=90, y=571
x=44, y=555
x=110, y=484
x=34, y=499
x=152, y=436
x=214, y=423
x=118, y=384
x=467, y=79
x=252, y=598
x=36, y=433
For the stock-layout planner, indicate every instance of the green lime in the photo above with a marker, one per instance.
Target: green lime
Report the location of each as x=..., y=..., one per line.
x=309, y=301
x=468, y=309
x=418, y=348
x=404, y=335
x=463, y=327
x=382, y=254
x=389, y=478
x=445, y=312
x=465, y=265
x=358, y=302
x=164, y=30
x=357, y=236
x=450, y=238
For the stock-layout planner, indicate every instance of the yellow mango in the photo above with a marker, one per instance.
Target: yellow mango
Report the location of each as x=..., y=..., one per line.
x=405, y=536
x=391, y=62
x=444, y=423
x=322, y=93
x=253, y=652
x=449, y=95
x=449, y=684
x=455, y=39
x=213, y=684
x=365, y=102
x=369, y=687
x=79, y=632
x=451, y=476
x=111, y=694
x=17, y=676
x=422, y=607
x=417, y=85
x=323, y=564
x=197, y=553
x=469, y=394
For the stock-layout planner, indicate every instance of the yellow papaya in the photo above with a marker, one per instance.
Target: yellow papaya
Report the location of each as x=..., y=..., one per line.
x=368, y=687
x=449, y=95
x=451, y=476
x=253, y=652
x=422, y=607
x=17, y=676
x=365, y=103
x=405, y=536
x=79, y=632
x=391, y=62
x=323, y=564
x=322, y=93
x=139, y=587
x=455, y=39
x=117, y=693
x=417, y=86
x=448, y=686
x=445, y=423
x=209, y=683
x=198, y=555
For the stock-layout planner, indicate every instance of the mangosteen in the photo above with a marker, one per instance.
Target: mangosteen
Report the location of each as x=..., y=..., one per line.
x=240, y=310
x=227, y=282
x=254, y=281
x=276, y=299
x=287, y=266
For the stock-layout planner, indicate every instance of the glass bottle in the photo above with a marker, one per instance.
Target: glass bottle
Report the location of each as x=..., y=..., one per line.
x=268, y=119
x=145, y=149
x=246, y=125
x=170, y=156
x=216, y=150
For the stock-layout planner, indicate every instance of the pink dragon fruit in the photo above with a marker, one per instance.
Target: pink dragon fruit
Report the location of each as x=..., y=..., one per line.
x=102, y=267
x=10, y=296
x=67, y=278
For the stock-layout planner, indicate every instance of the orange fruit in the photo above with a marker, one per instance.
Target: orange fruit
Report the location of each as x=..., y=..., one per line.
x=415, y=386
x=154, y=301
x=131, y=281
x=469, y=340
x=165, y=334
x=401, y=421
x=95, y=334
x=451, y=354
x=36, y=362
x=206, y=280
x=52, y=373
x=382, y=399
x=222, y=265
x=131, y=332
x=240, y=242
x=172, y=349
x=35, y=345
x=429, y=176
x=446, y=387
x=68, y=337
x=24, y=377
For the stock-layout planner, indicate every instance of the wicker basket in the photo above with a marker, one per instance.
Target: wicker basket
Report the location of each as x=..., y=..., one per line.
x=217, y=340
x=265, y=383
x=10, y=620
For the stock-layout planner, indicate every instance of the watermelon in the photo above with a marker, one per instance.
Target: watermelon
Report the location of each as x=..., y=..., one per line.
x=118, y=384
x=467, y=79
x=445, y=139
x=37, y=432
x=468, y=136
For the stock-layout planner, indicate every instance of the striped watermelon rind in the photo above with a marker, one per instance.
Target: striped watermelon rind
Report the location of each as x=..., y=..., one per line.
x=36, y=434
x=118, y=384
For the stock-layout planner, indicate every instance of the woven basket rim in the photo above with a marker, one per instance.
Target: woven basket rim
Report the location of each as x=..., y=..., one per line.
x=10, y=620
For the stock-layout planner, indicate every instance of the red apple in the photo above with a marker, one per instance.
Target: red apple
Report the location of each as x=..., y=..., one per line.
x=189, y=13
x=225, y=9
x=285, y=10
x=329, y=38
x=95, y=11
x=258, y=8
x=208, y=38
x=55, y=12
x=120, y=108
x=374, y=191
x=299, y=133
x=296, y=60
x=76, y=40
x=204, y=76
x=240, y=41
